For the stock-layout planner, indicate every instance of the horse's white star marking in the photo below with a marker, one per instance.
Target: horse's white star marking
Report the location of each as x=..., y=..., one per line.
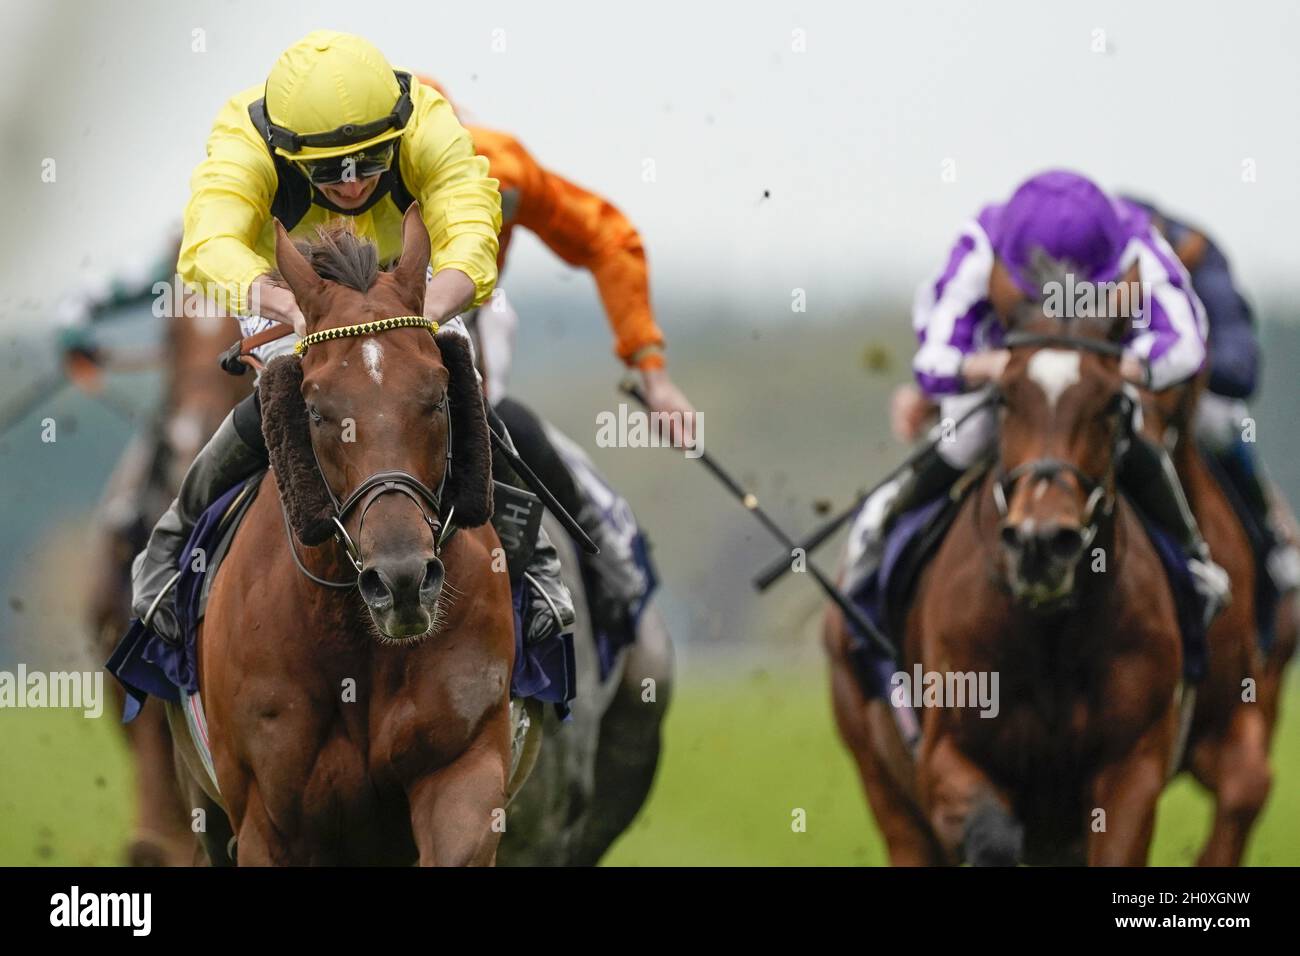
x=373, y=353
x=1054, y=370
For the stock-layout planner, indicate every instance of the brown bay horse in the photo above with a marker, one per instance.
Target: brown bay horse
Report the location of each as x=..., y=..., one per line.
x=1236, y=707
x=366, y=725
x=1088, y=653
x=196, y=396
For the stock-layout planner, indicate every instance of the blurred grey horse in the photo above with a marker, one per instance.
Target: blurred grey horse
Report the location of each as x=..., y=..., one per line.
x=595, y=769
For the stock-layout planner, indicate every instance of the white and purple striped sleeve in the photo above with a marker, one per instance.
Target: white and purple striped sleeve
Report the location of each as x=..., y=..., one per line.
x=948, y=311
x=1172, y=334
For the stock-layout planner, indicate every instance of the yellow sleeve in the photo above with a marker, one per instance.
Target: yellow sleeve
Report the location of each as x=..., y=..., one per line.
x=230, y=202
x=459, y=200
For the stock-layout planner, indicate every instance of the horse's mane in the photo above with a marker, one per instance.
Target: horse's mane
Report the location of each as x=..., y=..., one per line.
x=339, y=255
x=1044, y=270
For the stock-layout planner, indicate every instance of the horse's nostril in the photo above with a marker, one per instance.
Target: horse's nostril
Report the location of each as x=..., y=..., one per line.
x=1010, y=535
x=434, y=573
x=373, y=589
x=1065, y=543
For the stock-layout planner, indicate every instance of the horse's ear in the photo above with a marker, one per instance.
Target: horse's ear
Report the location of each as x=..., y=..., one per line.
x=469, y=483
x=1004, y=295
x=285, y=428
x=413, y=268
x=307, y=287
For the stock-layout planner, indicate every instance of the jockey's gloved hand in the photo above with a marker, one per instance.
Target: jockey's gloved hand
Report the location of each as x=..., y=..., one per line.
x=1284, y=566
x=1211, y=582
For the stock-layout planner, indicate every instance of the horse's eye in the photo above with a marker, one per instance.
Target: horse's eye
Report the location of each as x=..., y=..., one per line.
x=315, y=414
x=440, y=403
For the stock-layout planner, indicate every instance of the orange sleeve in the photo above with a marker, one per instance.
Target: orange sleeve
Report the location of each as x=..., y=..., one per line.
x=586, y=231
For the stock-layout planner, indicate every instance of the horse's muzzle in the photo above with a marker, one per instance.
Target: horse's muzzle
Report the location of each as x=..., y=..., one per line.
x=402, y=594
x=1041, y=559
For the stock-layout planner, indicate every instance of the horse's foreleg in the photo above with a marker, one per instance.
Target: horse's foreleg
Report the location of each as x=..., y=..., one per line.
x=259, y=841
x=216, y=838
x=627, y=753
x=971, y=817
x=1236, y=768
x=458, y=812
x=1124, y=795
x=1272, y=681
x=884, y=765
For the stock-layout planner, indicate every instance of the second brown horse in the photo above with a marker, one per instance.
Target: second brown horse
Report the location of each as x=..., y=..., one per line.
x=1092, y=701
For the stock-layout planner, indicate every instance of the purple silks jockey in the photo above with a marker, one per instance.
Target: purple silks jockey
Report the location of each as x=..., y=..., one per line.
x=1067, y=218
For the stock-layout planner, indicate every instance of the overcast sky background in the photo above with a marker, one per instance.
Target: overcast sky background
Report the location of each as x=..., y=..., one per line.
x=849, y=138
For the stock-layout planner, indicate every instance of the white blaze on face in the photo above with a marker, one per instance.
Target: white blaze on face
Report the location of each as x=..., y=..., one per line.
x=1054, y=370
x=373, y=353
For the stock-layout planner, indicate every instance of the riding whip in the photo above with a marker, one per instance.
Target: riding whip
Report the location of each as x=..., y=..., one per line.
x=496, y=428
x=749, y=500
x=778, y=568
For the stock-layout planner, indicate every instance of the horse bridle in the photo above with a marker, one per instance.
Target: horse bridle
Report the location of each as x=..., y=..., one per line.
x=389, y=482
x=381, y=483
x=1051, y=469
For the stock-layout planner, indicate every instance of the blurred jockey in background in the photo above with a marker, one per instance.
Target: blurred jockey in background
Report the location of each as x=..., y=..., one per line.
x=585, y=231
x=1234, y=369
x=1222, y=412
x=1062, y=218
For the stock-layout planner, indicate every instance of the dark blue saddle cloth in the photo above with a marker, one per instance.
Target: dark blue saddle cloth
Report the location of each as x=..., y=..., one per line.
x=885, y=595
x=145, y=663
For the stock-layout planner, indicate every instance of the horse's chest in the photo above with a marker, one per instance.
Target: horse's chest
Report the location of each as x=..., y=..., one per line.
x=1034, y=731
x=424, y=713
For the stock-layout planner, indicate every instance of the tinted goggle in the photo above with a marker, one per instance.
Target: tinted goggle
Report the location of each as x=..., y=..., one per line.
x=351, y=168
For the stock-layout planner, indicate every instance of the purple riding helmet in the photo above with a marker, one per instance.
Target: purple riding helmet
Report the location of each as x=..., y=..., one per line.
x=1066, y=217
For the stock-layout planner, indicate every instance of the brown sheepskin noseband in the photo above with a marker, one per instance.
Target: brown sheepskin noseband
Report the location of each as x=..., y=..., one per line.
x=306, y=500
x=469, y=485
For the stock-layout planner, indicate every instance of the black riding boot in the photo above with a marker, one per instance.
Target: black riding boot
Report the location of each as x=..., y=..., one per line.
x=549, y=607
x=235, y=452
x=929, y=477
x=1148, y=475
x=617, y=578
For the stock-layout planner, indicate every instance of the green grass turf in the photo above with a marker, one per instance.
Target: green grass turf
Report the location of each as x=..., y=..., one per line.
x=741, y=754
x=65, y=789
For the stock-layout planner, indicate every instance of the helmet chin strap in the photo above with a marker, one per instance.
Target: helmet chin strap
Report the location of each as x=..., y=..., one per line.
x=382, y=189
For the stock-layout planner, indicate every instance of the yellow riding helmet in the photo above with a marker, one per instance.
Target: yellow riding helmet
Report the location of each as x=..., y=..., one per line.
x=333, y=94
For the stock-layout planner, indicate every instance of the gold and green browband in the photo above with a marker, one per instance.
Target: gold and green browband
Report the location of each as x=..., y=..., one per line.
x=365, y=328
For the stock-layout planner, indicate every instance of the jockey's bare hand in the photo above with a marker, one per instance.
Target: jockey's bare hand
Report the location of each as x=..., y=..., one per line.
x=984, y=367
x=909, y=410
x=448, y=294
x=1133, y=369
x=277, y=303
x=662, y=395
